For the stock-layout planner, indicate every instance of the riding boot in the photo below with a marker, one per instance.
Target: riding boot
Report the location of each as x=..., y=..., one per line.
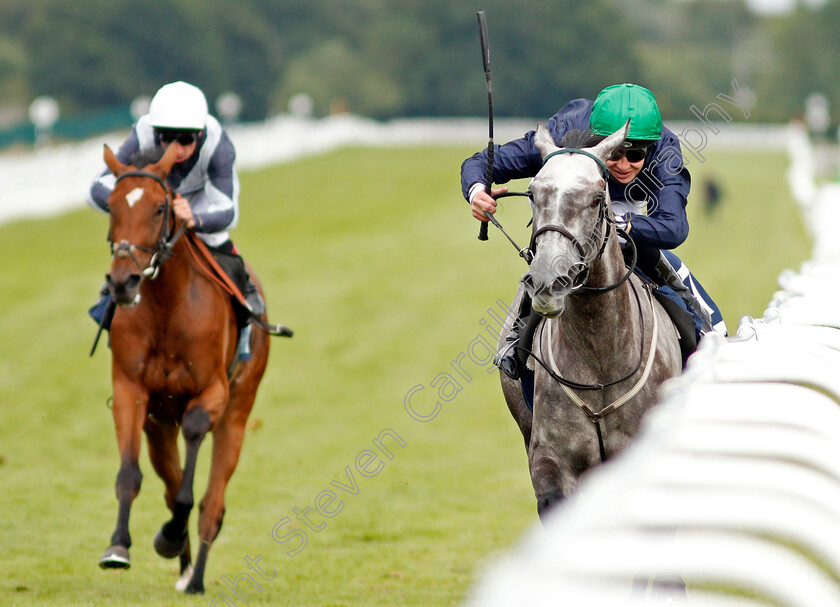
x=233, y=264
x=667, y=275
x=507, y=359
x=103, y=310
x=253, y=298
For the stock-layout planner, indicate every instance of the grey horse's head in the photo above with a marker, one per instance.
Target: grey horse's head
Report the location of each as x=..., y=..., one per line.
x=569, y=201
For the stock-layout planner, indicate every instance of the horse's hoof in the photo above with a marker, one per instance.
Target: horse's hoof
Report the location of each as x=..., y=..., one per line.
x=184, y=581
x=116, y=557
x=167, y=548
x=547, y=501
x=195, y=588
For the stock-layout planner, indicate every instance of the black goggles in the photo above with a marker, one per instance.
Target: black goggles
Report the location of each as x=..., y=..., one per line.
x=633, y=154
x=167, y=136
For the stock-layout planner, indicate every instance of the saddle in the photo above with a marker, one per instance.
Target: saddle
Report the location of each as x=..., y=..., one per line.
x=683, y=321
x=226, y=268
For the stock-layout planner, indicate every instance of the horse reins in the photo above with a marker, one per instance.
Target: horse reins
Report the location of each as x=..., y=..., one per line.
x=602, y=218
x=555, y=374
x=165, y=243
x=524, y=252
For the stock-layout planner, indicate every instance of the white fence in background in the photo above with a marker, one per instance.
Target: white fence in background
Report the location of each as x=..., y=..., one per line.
x=56, y=179
x=734, y=483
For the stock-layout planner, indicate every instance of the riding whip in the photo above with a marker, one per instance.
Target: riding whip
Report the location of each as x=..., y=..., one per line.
x=524, y=253
x=485, y=58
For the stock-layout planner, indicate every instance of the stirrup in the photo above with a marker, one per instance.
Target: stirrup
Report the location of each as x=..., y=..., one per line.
x=506, y=359
x=254, y=304
x=271, y=329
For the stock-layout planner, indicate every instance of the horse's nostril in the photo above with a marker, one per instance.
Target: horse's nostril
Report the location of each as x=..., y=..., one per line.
x=528, y=283
x=124, y=290
x=560, y=284
x=133, y=281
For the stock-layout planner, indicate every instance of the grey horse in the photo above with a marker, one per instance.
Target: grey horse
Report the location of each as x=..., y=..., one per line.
x=604, y=345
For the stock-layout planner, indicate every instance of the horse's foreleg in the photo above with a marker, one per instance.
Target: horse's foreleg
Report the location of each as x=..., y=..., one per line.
x=129, y=412
x=227, y=445
x=163, y=453
x=172, y=537
x=551, y=475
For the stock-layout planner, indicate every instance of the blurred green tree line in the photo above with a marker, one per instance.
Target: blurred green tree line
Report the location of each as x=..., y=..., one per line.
x=388, y=58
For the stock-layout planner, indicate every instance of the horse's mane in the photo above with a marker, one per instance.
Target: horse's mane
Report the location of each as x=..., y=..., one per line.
x=142, y=158
x=580, y=138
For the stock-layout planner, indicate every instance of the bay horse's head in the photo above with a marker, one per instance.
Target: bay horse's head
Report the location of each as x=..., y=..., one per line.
x=141, y=222
x=571, y=218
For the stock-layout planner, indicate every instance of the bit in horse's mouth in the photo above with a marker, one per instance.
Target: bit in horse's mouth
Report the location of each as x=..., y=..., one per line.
x=128, y=304
x=549, y=311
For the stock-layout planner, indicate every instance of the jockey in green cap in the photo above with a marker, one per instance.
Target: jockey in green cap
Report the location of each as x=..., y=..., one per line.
x=648, y=186
x=617, y=103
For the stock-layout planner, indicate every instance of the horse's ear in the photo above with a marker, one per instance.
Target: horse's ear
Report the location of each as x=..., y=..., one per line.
x=111, y=161
x=605, y=149
x=164, y=165
x=544, y=141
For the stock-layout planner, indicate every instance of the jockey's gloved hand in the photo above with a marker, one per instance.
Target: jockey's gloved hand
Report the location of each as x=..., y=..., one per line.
x=622, y=221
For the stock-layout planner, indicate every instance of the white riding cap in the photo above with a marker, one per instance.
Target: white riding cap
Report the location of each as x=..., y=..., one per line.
x=178, y=105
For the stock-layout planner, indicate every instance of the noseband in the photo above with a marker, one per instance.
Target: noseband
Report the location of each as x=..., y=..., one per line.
x=166, y=241
x=599, y=231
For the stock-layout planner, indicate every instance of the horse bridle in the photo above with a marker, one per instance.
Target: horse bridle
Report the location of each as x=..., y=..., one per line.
x=166, y=241
x=580, y=288
x=566, y=384
x=580, y=277
x=528, y=253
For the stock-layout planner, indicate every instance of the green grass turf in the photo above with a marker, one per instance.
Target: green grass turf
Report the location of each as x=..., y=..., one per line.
x=371, y=256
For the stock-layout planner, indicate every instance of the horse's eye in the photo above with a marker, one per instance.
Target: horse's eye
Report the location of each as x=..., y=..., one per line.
x=160, y=210
x=598, y=199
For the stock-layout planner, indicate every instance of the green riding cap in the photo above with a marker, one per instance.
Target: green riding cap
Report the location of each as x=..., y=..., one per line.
x=616, y=103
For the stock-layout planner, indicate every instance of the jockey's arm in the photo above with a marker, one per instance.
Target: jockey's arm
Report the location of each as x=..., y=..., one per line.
x=215, y=208
x=665, y=228
x=666, y=183
x=101, y=188
x=183, y=211
x=517, y=159
x=210, y=210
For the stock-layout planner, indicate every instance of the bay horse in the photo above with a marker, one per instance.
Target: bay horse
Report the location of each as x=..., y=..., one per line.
x=173, y=345
x=604, y=345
